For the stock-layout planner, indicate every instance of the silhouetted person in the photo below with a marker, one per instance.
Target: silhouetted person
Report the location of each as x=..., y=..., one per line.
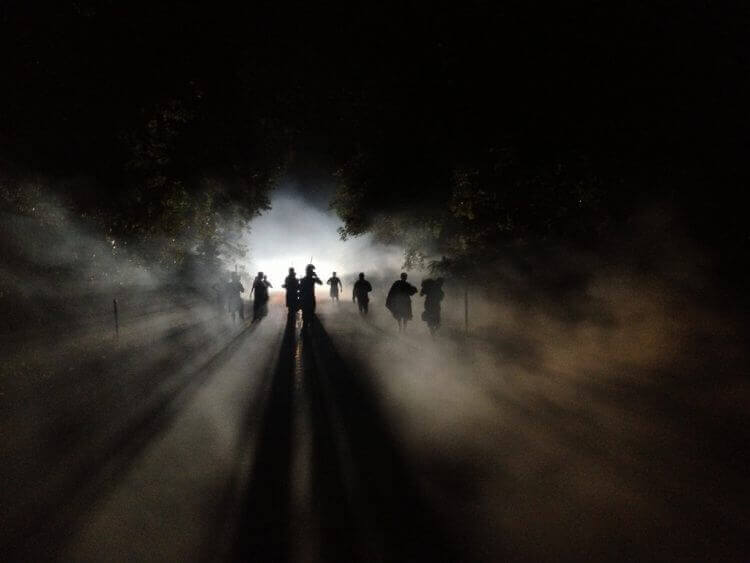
x=234, y=300
x=291, y=284
x=432, y=290
x=307, y=294
x=336, y=285
x=398, y=301
x=220, y=296
x=260, y=287
x=360, y=293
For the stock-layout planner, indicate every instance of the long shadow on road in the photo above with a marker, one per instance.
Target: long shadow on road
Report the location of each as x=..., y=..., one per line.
x=263, y=529
x=100, y=471
x=363, y=502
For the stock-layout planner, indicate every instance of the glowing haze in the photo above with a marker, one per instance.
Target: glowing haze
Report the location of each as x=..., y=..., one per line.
x=296, y=230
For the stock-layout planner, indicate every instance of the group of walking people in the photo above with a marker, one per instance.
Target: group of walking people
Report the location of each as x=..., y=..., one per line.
x=398, y=301
x=231, y=296
x=360, y=291
x=300, y=293
x=300, y=296
x=260, y=302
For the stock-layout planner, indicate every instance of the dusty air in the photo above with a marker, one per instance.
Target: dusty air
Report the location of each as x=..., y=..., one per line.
x=354, y=282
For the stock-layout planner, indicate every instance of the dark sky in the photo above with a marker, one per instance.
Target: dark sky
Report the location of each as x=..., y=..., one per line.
x=648, y=90
x=79, y=71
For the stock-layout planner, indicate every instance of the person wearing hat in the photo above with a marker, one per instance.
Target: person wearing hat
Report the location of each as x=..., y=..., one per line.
x=307, y=294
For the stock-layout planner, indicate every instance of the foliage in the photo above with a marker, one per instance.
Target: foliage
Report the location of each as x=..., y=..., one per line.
x=453, y=130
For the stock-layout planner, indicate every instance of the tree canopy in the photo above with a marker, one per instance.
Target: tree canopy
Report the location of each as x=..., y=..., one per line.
x=452, y=129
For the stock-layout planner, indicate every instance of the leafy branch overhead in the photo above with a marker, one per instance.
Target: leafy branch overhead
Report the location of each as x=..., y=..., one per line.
x=454, y=131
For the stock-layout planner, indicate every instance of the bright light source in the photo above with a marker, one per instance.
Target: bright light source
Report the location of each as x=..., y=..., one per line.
x=293, y=231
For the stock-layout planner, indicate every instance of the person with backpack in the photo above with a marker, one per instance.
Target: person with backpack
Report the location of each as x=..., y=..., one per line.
x=398, y=301
x=432, y=291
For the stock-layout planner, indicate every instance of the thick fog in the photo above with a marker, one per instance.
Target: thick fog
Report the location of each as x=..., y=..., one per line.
x=297, y=230
x=595, y=404
x=595, y=409
x=89, y=397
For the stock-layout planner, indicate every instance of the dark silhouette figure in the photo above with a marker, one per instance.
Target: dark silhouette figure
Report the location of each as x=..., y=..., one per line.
x=291, y=284
x=336, y=285
x=233, y=298
x=360, y=293
x=307, y=295
x=432, y=291
x=398, y=301
x=260, y=302
x=220, y=296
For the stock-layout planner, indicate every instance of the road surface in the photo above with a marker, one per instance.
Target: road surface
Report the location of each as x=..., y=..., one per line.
x=198, y=440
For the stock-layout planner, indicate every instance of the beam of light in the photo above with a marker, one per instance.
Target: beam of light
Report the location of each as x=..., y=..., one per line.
x=294, y=230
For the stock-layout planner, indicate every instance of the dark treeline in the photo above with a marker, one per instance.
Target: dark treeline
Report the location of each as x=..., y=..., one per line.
x=455, y=130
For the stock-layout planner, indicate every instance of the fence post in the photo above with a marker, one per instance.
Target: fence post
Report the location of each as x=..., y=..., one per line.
x=466, y=308
x=117, y=320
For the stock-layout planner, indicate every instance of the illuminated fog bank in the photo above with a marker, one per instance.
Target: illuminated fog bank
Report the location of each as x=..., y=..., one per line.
x=294, y=231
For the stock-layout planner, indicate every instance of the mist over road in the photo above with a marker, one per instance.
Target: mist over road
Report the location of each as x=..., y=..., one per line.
x=532, y=444
x=194, y=439
x=136, y=438
x=563, y=187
